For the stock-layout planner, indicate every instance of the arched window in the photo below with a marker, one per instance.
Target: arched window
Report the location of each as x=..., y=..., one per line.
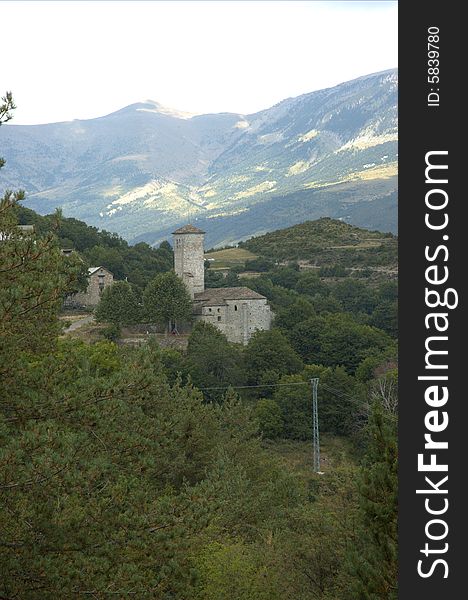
x=235, y=306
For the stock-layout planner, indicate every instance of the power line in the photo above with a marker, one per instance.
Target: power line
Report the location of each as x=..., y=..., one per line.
x=315, y=422
x=243, y=387
x=340, y=394
x=337, y=392
x=264, y=385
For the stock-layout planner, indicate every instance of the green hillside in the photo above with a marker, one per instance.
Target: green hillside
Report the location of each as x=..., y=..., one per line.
x=138, y=264
x=325, y=242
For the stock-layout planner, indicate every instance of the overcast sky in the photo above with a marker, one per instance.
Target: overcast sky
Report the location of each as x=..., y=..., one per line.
x=65, y=60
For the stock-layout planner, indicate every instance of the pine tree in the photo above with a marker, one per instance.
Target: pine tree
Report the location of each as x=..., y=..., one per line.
x=34, y=277
x=212, y=361
x=373, y=565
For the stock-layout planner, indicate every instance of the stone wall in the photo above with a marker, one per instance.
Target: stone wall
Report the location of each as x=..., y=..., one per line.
x=239, y=319
x=97, y=282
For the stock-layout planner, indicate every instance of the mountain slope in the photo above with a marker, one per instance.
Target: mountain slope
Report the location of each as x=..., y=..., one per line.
x=144, y=169
x=326, y=242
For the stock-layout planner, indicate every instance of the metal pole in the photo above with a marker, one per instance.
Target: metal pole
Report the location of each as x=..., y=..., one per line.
x=315, y=425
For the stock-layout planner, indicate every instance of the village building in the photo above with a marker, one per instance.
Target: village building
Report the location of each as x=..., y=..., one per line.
x=237, y=311
x=23, y=230
x=99, y=278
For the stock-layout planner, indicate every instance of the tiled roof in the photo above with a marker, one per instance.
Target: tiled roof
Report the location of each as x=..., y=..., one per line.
x=218, y=296
x=187, y=229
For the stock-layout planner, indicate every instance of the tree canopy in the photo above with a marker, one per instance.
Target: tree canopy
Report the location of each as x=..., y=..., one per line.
x=212, y=361
x=269, y=352
x=119, y=474
x=166, y=301
x=139, y=263
x=119, y=304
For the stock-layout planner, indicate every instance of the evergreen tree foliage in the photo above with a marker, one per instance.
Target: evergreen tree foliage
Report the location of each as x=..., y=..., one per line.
x=234, y=570
x=119, y=477
x=113, y=479
x=139, y=263
x=212, y=361
x=34, y=278
x=7, y=107
x=270, y=418
x=374, y=563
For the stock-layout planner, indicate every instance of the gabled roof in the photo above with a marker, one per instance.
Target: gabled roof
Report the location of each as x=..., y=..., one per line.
x=187, y=229
x=93, y=270
x=218, y=296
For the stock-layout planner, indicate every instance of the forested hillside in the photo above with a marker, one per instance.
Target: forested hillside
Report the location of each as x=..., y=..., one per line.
x=123, y=472
x=138, y=263
x=185, y=473
x=327, y=241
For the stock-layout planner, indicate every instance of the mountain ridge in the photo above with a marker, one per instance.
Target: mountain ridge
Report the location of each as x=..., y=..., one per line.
x=145, y=168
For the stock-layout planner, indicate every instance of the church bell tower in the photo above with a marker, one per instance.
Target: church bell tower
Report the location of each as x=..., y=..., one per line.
x=189, y=257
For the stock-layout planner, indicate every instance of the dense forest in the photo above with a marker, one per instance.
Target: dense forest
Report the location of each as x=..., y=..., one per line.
x=124, y=473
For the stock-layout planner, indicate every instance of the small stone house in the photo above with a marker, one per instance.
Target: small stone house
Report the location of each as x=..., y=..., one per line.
x=99, y=278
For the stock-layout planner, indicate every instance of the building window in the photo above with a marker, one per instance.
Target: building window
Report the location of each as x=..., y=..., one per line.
x=209, y=309
x=101, y=283
x=219, y=310
x=235, y=306
x=219, y=318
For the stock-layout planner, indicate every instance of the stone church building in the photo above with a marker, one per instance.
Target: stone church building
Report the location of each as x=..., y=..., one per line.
x=237, y=311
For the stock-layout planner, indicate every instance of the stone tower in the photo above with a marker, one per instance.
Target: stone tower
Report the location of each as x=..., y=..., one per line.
x=189, y=257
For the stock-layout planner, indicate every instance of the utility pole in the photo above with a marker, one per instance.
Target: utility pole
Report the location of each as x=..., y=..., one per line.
x=315, y=425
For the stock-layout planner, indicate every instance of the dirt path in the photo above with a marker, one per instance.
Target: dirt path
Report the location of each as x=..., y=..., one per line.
x=79, y=323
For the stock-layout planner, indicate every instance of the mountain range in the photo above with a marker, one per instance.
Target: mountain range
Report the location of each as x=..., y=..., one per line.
x=145, y=169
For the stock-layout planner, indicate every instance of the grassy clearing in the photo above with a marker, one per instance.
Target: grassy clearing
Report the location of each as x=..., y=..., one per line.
x=298, y=456
x=229, y=257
